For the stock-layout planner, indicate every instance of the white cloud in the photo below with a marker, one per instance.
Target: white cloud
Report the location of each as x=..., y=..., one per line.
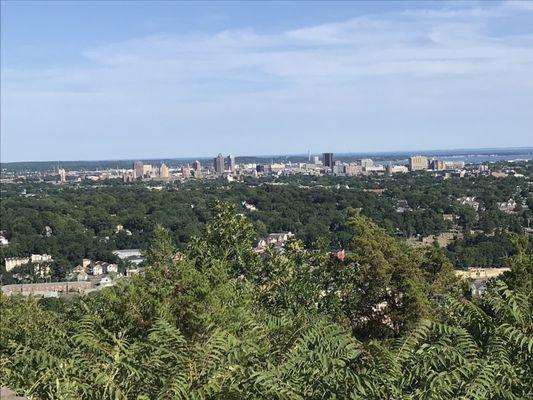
x=373, y=72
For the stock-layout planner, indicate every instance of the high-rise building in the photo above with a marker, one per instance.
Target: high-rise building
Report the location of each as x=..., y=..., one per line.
x=218, y=164
x=149, y=171
x=353, y=169
x=231, y=163
x=164, y=172
x=438, y=165
x=327, y=159
x=417, y=163
x=138, y=169
x=197, y=169
x=339, y=168
x=62, y=175
x=186, y=171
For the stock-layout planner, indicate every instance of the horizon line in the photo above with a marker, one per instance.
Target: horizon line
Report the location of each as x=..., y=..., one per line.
x=401, y=152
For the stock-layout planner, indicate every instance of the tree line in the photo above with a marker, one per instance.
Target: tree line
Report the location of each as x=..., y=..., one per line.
x=217, y=320
x=83, y=218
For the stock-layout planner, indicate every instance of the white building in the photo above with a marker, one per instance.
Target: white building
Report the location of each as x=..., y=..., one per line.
x=102, y=267
x=454, y=165
x=62, y=175
x=127, y=253
x=40, y=258
x=401, y=169
x=112, y=268
x=133, y=256
x=98, y=269
x=367, y=162
x=507, y=206
x=469, y=201
x=14, y=262
x=375, y=168
x=277, y=240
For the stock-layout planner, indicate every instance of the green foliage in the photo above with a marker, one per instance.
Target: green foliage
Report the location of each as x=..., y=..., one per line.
x=228, y=239
x=381, y=291
x=84, y=216
x=521, y=264
x=482, y=352
x=219, y=322
x=162, y=250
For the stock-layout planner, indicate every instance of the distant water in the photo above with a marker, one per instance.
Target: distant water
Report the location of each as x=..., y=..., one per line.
x=483, y=158
x=471, y=158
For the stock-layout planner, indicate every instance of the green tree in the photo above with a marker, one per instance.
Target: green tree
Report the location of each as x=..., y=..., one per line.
x=162, y=250
x=380, y=291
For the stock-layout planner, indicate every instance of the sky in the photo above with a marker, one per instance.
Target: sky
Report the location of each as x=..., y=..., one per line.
x=125, y=80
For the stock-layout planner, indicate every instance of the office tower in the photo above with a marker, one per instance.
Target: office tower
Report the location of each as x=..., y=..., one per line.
x=138, y=169
x=367, y=162
x=316, y=160
x=148, y=171
x=186, y=171
x=197, y=169
x=327, y=159
x=353, y=169
x=231, y=163
x=339, y=168
x=62, y=175
x=438, y=165
x=417, y=163
x=164, y=172
x=218, y=164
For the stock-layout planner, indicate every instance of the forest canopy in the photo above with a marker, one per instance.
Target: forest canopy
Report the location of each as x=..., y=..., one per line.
x=82, y=220
x=218, y=321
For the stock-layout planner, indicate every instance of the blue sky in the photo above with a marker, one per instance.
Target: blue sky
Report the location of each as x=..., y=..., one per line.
x=111, y=80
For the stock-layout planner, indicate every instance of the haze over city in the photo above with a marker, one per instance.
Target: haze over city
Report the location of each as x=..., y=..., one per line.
x=88, y=81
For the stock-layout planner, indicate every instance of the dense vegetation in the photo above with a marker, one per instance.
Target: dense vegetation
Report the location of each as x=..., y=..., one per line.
x=83, y=217
x=218, y=321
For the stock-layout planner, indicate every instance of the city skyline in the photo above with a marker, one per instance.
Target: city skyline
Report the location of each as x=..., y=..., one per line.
x=451, y=152
x=253, y=79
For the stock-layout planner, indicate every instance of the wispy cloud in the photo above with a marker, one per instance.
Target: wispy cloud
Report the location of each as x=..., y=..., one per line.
x=433, y=65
